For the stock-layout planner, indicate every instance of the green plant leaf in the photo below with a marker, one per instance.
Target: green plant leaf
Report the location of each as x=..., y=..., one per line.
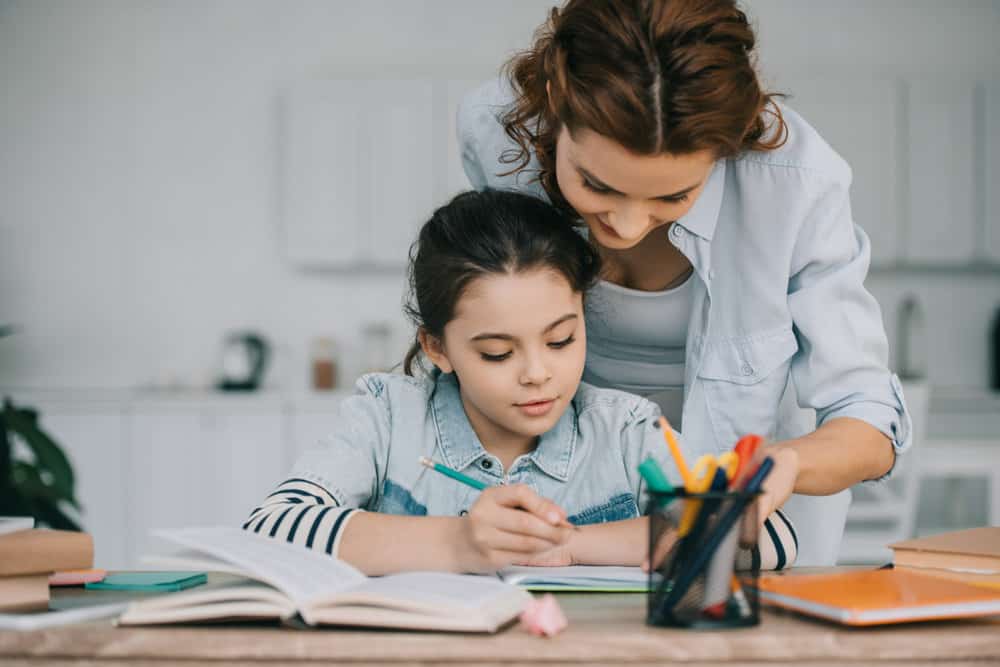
x=50, y=457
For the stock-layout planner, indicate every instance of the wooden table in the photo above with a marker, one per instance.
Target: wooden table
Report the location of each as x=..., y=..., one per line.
x=603, y=630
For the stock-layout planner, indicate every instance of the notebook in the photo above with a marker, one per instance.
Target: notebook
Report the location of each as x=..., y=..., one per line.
x=590, y=578
x=148, y=582
x=877, y=597
x=294, y=584
x=976, y=550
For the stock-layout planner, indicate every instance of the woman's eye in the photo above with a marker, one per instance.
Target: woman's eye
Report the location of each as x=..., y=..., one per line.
x=595, y=188
x=559, y=344
x=494, y=357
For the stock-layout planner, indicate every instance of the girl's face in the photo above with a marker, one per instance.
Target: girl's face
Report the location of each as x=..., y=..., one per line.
x=517, y=344
x=623, y=196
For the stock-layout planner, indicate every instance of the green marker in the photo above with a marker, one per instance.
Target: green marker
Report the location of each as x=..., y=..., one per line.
x=655, y=479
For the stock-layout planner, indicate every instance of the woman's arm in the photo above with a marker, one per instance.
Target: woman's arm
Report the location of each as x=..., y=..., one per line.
x=840, y=453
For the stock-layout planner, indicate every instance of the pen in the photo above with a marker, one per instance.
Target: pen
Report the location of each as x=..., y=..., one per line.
x=720, y=530
x=468, y=481
x=675, y=451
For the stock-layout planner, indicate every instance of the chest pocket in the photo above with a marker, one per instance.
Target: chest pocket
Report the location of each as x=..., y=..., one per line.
x=744, y=379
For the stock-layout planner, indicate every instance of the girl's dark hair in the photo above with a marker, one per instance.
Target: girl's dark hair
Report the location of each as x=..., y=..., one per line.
x=656, y=76
x=484, y=233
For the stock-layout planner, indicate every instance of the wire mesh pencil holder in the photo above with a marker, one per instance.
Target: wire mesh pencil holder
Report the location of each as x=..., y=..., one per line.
x=694, y=540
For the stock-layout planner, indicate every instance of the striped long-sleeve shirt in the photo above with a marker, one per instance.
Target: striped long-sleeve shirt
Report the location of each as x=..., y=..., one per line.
x=587, y=464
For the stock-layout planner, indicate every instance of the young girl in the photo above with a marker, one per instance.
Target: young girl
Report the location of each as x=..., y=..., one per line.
x=498, y=280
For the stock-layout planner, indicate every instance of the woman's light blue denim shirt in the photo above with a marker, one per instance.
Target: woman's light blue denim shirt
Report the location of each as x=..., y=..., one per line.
x=783, y=335
x=587, y=463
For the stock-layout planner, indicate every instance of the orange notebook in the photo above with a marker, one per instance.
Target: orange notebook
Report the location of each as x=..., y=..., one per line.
x=877, y=597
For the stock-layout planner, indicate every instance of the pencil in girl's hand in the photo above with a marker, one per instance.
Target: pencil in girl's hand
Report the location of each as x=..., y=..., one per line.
x=468, y=481
x=454, y=474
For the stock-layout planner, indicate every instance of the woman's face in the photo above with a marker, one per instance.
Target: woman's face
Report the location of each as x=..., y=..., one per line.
x=623, y=196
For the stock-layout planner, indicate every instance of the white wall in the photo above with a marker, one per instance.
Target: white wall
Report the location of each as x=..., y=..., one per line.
x=138, y=166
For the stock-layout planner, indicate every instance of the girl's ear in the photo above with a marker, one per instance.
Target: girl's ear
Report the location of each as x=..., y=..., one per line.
x=434, y=350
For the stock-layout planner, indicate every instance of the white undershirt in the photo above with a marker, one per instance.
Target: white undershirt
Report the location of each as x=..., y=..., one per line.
x=636, y=342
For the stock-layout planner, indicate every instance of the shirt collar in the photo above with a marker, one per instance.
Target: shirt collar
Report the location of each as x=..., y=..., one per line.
x=704, y=215
x=460, y=446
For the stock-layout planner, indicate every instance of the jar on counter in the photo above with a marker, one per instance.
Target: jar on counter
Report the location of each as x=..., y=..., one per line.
x=324, y=364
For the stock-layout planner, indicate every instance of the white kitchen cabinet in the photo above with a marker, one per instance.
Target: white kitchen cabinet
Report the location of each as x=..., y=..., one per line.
x=859, y=118
x=399, y=167
x=358, y=170
x=321, y=200
x=94, y=443
x=170, y=481
x=942, y=211
x=991, y=219
x=247, y=459
x=200, y=466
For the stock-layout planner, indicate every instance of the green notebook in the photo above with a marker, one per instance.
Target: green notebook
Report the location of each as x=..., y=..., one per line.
x=151, y=582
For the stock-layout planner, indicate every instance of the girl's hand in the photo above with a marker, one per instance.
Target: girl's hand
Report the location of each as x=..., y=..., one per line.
x=507, y=525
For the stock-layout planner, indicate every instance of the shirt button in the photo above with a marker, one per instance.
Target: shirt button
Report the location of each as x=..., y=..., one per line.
x=486, y=464
x=747, y=370
x=677, y=231
x=711, y=274
x=463, y=513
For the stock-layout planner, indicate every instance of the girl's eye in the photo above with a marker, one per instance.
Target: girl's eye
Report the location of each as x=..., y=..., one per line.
x=494, y=357
x=559, y=344
x=674, y=200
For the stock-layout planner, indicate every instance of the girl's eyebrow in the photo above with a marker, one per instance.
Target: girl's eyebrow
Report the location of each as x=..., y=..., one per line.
x=503, y=336
x=604, y=186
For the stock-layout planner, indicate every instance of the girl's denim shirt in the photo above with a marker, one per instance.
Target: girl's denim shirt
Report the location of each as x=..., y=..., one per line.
x=587, y=463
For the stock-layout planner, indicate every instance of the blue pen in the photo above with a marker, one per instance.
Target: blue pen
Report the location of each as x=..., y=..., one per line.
x=722, y=528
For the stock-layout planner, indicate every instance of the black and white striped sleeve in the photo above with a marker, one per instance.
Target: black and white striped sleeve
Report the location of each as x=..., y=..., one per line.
x=777, y=546
x=301, y=512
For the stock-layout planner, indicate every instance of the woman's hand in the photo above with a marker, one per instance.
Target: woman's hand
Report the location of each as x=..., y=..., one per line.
x=507, y=525
x=780, y=483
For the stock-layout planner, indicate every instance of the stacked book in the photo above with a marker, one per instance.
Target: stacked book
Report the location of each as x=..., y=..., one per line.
x=28, y=556
x=971, y=556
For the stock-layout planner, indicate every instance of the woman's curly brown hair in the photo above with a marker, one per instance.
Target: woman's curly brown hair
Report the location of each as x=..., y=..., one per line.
x=656, y=76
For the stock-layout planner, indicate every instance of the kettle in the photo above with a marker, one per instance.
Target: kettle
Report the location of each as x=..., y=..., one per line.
x=244, y=361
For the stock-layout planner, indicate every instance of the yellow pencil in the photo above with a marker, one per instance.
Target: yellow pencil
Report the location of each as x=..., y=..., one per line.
x=675, y=451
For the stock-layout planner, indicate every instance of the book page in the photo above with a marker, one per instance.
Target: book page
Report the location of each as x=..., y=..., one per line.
x=576, y=575
x=297, y=572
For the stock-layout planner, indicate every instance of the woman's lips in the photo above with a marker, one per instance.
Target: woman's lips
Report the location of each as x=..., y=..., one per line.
x=537, y=408
x=607, y=229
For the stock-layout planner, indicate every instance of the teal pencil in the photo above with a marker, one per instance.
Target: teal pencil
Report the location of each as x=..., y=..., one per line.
x=468, y=481
x=454, y=474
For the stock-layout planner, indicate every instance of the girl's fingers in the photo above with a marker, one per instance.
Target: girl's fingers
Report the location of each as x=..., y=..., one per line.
x=519, y=544
x=522, y=523
x=524, y=497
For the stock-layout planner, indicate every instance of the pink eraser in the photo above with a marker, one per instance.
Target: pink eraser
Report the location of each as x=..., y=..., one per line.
x=543, y=616
x=76, y=577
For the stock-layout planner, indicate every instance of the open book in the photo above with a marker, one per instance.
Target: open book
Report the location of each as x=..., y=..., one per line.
x=284, y=580
x=590, y=578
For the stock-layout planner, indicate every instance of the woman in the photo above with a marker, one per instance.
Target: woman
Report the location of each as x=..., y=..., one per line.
x=733, y=286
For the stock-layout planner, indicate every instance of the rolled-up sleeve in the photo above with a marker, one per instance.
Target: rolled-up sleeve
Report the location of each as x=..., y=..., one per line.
x=841, y=369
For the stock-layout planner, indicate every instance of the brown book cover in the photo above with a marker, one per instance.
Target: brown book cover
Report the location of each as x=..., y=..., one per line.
x=973, y=549
x=39, y=551
x=27, y=592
